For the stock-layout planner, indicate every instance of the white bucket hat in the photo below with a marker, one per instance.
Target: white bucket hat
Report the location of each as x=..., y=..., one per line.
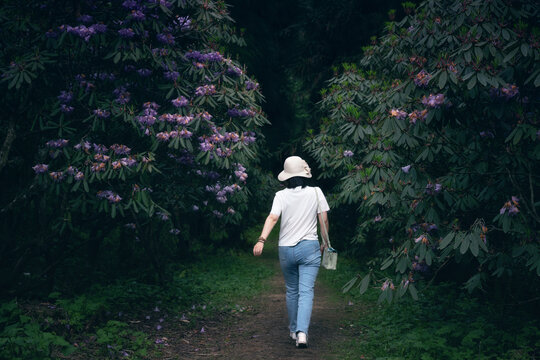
x=294, y=166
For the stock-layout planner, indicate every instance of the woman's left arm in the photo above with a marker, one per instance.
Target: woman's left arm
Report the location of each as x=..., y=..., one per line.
x=323, y=219
x=271, y=220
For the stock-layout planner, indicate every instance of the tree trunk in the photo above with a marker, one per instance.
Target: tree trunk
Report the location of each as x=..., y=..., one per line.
x=6, y=147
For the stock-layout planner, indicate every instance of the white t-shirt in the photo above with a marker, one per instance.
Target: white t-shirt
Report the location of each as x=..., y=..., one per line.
x=298, y=210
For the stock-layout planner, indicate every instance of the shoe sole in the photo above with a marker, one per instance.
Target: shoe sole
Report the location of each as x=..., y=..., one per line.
x=301, y=345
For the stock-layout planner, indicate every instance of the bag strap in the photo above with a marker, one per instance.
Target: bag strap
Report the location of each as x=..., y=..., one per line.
x=325, y=232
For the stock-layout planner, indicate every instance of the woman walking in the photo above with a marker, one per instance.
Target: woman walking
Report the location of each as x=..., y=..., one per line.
x=299, y=250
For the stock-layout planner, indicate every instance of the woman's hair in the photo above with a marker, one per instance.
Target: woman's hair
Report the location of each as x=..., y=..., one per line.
x=296, y=181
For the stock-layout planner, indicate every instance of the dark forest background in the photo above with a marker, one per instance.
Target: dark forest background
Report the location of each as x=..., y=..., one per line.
x=293, y=48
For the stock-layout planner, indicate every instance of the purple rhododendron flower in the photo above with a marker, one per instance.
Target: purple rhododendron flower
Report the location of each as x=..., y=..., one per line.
x=511, y=206
x=432, y=189
x=417, y=115
x=422, y=78
x=102, y=114
x=250, y=85
x=406, y=169
x=122, y=95
x=166, y=38
x=180, y=102
x=509, y=91
x=205, y=90
x=40, y=168
x=109, y=195
x=57, y=176
x=99, y=28
x=138, y=15
x=126, y=33
x=51, y=34
x=66, y=109
x=171, y=75
x=240, y=113
x=348, y=153
x=204, y=58
x=377, y=218
x=183, y=22
x=433, y=101
x=487, y=134
x=65, y=96
x=398, y=114
x=85, y=19
x=81, y=31
x=57, y=144
x=144, y=72
x=234, y=71
x=130, y=4
x=387, y=284
x=120, y=149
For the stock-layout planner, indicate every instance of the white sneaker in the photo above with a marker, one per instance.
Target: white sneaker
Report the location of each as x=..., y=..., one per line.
x=301, y=340
x=293, y=335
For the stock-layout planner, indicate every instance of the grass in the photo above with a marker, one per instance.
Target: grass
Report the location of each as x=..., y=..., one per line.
x=100, y=321
x=445, y=323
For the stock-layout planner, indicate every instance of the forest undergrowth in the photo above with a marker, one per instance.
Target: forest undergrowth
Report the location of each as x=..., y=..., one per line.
x=129, y=319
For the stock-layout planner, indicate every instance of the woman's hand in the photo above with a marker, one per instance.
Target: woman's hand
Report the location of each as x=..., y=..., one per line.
x=258, y=248
x=322, y=247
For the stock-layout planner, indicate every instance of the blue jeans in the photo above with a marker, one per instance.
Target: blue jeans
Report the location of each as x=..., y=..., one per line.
x=300, y=265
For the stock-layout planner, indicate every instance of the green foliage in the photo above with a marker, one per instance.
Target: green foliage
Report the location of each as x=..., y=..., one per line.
x=116, y=338
x=443, y=324
x=103, y=321
x=21, y=337
x=434, y=143
x=143, y=132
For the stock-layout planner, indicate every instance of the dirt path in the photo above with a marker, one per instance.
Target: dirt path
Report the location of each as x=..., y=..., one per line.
x=261, y=330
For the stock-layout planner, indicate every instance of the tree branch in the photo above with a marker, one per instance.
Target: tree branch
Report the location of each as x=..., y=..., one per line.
x=8, y=141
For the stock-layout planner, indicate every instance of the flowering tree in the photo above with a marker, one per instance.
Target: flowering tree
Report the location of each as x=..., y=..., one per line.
x=143, y=115
x=436, y=140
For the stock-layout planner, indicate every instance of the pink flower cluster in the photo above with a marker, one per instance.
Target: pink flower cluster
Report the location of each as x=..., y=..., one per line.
x=102, y=114
x=208, y=143
x=57, y=144
x=120, y=149
x=167, y=135
x=387, y=284
x=433, y=101
x=413, y=116
x=180, y=102
x=148, y=118
x=204, y=58
x=512, y=206
x=240, y=113
x=176, y=119
x=222, y=191
x=417, y=115
x=109, y=195
x=83, y=31
x=422, y=78
x=250, y=85
x=432, y=189
x=240, y=172
x=398, y=114
x=205, y=90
